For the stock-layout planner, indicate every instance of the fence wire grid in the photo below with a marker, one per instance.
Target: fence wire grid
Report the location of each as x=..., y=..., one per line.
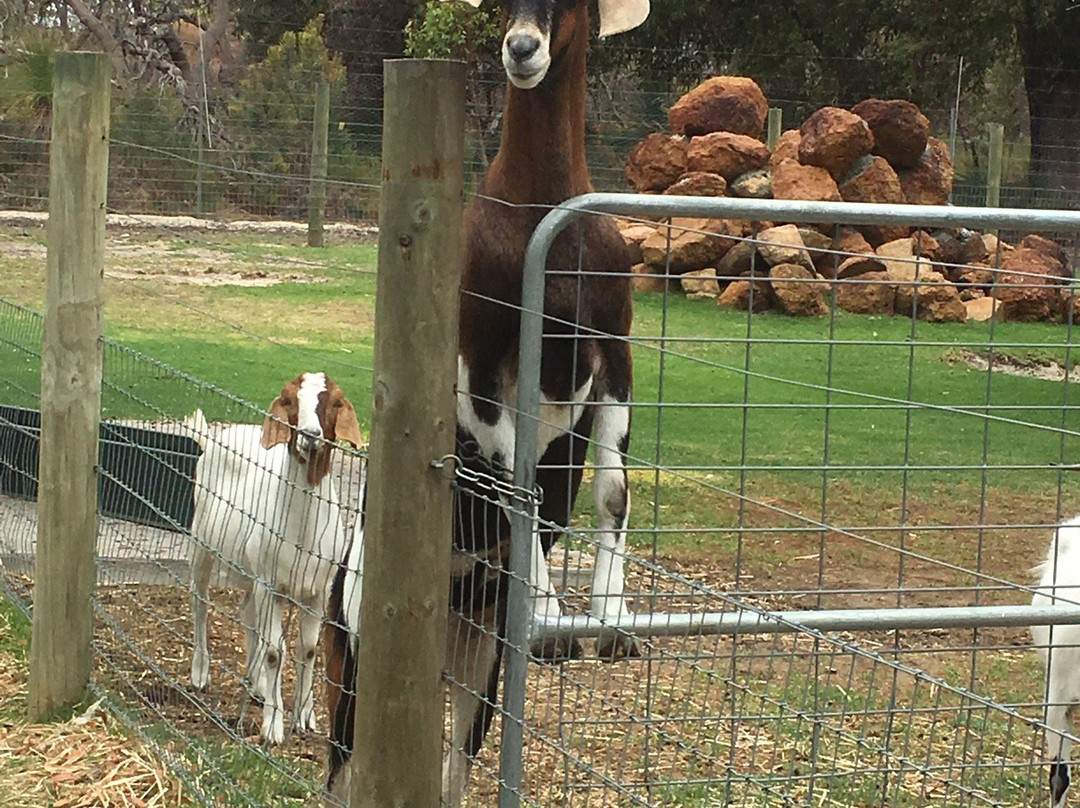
x=778, y=464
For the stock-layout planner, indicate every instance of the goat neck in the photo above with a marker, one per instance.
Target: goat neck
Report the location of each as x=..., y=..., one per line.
x=541, y=158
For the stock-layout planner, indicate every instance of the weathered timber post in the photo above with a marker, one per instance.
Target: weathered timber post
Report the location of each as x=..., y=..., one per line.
x=776, y=117
x=319, y=150
x=994, y=166
x=402, y=646
x=71, y=358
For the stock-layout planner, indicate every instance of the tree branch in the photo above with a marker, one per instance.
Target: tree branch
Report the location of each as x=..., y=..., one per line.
x=108, y=42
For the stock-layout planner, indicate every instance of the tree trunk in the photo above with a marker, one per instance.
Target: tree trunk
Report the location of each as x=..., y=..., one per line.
x=363, y=33
x=1048, y=42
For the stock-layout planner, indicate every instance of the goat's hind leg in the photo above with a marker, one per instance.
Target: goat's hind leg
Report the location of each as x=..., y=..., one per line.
x=307, y=641
x=202, y=563
x=611, y=495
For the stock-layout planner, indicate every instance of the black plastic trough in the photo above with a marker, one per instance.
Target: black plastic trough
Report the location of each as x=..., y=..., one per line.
x=146, y=475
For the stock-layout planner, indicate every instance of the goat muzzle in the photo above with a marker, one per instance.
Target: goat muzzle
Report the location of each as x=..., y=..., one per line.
x=307, y=443
x=525, y=56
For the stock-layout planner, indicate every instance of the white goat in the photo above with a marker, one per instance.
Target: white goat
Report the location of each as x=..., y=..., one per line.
x=266, y=511
x=1059, y=648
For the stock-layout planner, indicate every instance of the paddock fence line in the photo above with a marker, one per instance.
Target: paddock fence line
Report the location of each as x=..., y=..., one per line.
x=143, y=636
x=740, y=697
x=756, y=498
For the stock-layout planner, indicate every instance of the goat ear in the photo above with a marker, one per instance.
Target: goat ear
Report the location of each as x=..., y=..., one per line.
x=346, y=427
x=617, y=16
x=276, y=427
x=473, y=3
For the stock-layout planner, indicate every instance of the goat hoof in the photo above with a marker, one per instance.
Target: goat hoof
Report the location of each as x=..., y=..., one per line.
x=554, y=651
x=1059, y=782
x=304, y=724
x=616, y=646
x=273, y=735
x=253, y=695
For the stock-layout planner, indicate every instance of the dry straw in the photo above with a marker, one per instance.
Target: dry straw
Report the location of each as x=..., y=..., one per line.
x=82, y=763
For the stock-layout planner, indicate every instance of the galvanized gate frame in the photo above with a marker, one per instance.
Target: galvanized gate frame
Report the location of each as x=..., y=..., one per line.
x=740, y=620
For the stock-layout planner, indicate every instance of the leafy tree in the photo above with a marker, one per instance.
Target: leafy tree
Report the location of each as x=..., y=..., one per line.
x=1048, y=33
x=806, y=54
x=363, y=33
x=270, y=124
x=459, y=31
x=264, y=22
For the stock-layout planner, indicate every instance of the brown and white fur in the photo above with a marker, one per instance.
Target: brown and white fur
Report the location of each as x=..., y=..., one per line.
x=267, y=513
x=586, y=379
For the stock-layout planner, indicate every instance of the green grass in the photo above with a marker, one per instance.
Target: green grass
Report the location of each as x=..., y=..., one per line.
x=247, y=340
x=238, y=774
x=14, y=643
x=866, y=364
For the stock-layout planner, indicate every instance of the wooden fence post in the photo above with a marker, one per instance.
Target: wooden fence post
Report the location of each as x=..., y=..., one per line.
x=775, y=122
x=71, y=359
x=319, y=150
x=994, y=167
x=994, y=164
x=402, y=646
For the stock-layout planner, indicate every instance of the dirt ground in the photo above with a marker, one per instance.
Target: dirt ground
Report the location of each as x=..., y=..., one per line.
x=735, y=697
x=139, y=257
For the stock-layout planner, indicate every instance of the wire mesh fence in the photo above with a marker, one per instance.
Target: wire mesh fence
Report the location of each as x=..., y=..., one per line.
x=148, y=491
x=874, y=459
x=797, y=464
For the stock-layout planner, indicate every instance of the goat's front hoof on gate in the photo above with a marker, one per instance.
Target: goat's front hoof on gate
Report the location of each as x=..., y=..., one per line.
x=615, y=645
x=552, y=651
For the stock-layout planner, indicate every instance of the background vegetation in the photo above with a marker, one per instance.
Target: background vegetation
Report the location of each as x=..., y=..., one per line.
x=214, y=99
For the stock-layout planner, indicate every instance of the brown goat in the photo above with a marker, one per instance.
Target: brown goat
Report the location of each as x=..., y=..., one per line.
x=586, y=377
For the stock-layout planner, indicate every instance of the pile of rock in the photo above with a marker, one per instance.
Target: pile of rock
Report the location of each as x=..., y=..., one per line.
x=945, y=276
x=879, y=151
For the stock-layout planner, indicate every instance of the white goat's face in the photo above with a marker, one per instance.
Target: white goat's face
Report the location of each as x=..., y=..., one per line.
x=309, y=427
x=310, y=414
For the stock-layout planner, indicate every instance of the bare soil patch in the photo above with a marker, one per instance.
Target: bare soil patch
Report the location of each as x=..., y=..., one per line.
x=1026, y=367
x=136, y=259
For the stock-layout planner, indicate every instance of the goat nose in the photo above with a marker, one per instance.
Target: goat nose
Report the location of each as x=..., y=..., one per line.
x=522, y=46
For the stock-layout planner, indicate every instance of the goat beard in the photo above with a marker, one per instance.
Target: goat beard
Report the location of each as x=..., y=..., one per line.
x=318, y=463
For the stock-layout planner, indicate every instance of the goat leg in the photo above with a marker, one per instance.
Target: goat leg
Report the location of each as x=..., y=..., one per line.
x=201, y=567
x=308, y=640
x=611, y=494
x=268, y=613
